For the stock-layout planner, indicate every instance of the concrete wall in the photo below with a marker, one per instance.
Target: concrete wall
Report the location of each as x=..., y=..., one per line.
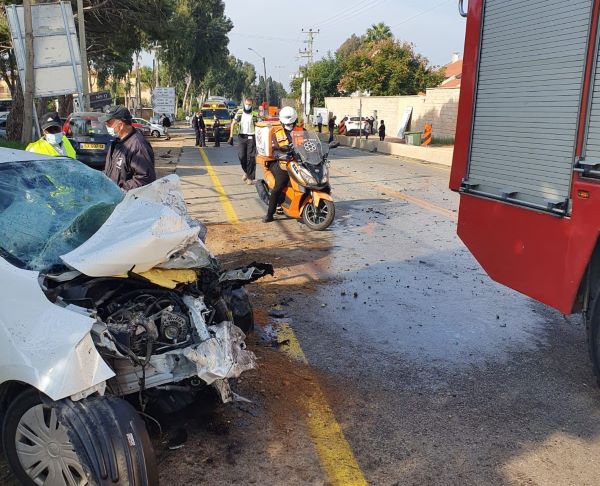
x=439, y=107
x=435, y=155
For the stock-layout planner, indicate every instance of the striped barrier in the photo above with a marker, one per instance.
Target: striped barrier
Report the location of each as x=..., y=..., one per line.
x=427, y=134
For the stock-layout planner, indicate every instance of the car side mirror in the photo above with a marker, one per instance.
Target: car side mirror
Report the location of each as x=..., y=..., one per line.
x=333, y=145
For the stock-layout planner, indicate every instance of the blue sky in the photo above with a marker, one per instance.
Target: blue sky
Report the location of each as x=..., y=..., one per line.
x=274, y=28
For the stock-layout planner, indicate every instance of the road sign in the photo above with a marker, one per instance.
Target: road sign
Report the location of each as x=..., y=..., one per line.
x=164, y=100
x=57, y=69
x=100, y=99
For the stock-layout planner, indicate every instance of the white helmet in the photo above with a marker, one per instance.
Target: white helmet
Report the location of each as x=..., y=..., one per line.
x=287, y=117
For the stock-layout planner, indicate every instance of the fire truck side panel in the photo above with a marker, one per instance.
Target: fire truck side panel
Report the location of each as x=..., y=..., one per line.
x=536, y=252
x=467, y=95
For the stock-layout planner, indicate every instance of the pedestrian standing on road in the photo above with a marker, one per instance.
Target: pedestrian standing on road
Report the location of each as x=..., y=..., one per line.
x=53, y=141
x=217, y=132
x=382, y=131
x=246, y=119
x=319, y=122
x=199, y=128
x=331, y=126
x=371, y=122
x=166, y=123
x=130, y=158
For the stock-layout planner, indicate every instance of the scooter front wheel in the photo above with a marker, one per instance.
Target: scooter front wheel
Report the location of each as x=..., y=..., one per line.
x=320, y=217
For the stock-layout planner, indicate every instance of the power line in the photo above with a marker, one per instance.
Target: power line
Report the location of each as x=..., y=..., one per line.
x=437, y=5
x=348, y=14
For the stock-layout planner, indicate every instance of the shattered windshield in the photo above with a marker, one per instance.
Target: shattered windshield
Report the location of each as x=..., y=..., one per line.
x=50, y=207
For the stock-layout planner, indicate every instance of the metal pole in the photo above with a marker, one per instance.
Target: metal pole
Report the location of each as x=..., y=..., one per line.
x=83, y=54
x=360, y=118
x=266, y=82
x=29, y=91
x=72, y=54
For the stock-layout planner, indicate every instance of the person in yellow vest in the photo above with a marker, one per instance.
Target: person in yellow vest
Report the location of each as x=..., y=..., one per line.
x=53, y=141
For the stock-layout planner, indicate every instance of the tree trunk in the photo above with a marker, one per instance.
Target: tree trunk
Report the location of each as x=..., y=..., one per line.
x=65, y=105
x=14, y=122
x=188, y=82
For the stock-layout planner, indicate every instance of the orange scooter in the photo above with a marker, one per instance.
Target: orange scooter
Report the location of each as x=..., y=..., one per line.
x=307, y=196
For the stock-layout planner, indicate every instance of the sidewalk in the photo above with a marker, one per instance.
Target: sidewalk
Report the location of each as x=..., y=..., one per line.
x=435, y=155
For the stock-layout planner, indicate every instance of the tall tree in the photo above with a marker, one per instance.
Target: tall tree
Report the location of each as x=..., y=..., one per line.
x=349, y=46
x=378, y=32
x=388, y=68
x=324, y=76
x=197, y=40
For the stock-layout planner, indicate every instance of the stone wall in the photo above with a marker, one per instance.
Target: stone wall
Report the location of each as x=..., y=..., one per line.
x=439, y=107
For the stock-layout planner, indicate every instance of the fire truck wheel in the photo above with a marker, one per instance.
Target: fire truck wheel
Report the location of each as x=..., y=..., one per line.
x=593, y=335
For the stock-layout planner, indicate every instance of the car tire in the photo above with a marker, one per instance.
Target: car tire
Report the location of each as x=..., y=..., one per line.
x=95, y=441
x=155, y=133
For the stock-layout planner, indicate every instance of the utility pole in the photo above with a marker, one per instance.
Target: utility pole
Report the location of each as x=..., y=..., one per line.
x=308, y=54
x=138, y=85
x=85, y=105
x=29, y=91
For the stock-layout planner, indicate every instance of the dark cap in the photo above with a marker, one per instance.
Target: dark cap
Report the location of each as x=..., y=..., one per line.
x=118, y=112
x=50, y=120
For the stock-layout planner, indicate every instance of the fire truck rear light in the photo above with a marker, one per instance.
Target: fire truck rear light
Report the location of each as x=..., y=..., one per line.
x=583, y=194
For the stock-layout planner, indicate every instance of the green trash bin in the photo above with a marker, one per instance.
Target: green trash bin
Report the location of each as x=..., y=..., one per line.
x=413, y=138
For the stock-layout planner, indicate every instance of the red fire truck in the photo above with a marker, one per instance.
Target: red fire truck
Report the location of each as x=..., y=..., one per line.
x=527, y=154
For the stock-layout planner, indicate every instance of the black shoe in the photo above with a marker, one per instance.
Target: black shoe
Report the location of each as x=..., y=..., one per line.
x=268, y=219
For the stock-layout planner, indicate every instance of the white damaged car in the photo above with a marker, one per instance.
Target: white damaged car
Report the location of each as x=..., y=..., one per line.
x=111, y=305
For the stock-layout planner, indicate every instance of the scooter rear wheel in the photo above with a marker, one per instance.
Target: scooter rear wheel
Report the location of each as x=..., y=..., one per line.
x=320, y=217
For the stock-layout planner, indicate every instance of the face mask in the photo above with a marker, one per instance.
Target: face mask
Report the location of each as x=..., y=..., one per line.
x=247, y=108
x=111, y=131
x=289, y=127
x=54, y=138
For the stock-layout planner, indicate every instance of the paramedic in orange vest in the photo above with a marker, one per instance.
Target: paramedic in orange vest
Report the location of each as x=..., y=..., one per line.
x=282, y=152
x=53, y=141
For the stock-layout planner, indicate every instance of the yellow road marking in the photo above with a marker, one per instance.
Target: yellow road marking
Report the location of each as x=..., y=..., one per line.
x=225, y=201
x=336, y=457
x=415, y=201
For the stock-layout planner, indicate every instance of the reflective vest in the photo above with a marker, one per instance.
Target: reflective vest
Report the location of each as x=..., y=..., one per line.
x=43, y=147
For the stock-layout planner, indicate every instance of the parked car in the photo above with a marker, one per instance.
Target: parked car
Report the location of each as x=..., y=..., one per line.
x=143, y=129
x=3, y=120
x=354, y=126
x=89, y=138
x=105, y=308
x=155, y=129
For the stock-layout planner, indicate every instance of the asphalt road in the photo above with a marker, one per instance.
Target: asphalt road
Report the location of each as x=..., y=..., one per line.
x=393, y=359
x=433, y=373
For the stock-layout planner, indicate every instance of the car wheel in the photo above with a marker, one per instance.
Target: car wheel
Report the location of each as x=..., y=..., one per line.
x=95, y=441
x=155, y=133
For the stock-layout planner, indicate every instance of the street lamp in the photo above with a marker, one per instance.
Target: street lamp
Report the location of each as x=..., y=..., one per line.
x=265, y=69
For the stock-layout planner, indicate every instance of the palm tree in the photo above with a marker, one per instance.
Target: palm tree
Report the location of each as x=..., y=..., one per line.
x=378, y=32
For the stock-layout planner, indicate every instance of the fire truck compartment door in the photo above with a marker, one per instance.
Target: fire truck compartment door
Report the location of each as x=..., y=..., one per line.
x=591, y=149
x=529, y=85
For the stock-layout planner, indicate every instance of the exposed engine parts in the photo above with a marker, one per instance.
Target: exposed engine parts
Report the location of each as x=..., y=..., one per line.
x=144, y=319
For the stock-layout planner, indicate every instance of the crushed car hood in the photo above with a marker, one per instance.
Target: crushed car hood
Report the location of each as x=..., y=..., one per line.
x=149, y=228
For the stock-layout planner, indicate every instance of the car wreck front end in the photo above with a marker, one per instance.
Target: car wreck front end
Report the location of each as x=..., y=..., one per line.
x=111, y=295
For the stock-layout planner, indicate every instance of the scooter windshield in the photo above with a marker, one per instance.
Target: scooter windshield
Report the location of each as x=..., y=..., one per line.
x=308, y=146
